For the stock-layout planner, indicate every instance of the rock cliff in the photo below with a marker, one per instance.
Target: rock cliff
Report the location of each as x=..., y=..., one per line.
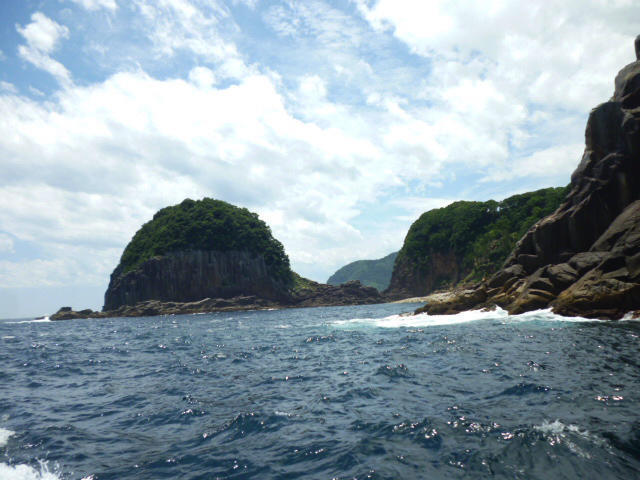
x=188, y=276
x=196, y=250
x=583, y=259
x=465, y=241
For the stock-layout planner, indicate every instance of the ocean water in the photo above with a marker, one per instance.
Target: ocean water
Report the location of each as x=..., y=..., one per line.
x=320, y=393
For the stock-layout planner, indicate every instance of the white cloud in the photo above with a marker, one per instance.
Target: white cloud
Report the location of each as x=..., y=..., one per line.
x=8, y=87
x=510, y=83
x=6, y=243
x=42, y=36
x=197, y=28
x=97, y=4
x=202, y=77
x=107, y=156
x=35, y=91
x=551, y=53
x=415, y=206
x=550, y=162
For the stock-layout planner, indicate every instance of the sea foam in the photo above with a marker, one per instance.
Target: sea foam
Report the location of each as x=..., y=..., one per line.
x=26, y=472
x=426, y=320
x=4, y=436
x=35, y=320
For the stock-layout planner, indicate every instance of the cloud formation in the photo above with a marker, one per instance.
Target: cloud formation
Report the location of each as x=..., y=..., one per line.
x=339, y=124
x=97, y=4
x=42, y=36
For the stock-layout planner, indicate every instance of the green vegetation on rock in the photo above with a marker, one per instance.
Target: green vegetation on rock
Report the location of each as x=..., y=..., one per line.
x=206, y=224
x=300, y=284
x=479, y=234
x=373, y=273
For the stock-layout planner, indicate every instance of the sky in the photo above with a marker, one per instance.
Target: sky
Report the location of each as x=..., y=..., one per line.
x=338, y=122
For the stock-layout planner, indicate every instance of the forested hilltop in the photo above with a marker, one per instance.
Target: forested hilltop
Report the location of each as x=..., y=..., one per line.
x=466, y=241
x=208, y=225
x=373, y=273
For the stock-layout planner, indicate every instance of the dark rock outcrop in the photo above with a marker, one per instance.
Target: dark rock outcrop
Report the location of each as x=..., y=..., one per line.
x=67, y=313
x=584, y=259
x=349, y=293
x=313, y=295
x=194, y=275
x=407, y=281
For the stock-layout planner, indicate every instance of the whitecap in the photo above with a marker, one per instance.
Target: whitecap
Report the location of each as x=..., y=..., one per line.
x=4, y=436
x=549, y=316
x=426, y=320
x=35, y=320
x=556, y=427
x=26, y=472
x=278, y=413
x=557, y=432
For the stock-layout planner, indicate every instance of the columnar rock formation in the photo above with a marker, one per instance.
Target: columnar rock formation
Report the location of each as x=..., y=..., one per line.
x=187, y=276
x=584, y=259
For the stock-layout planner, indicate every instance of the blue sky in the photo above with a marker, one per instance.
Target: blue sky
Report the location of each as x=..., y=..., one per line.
x=339, y=122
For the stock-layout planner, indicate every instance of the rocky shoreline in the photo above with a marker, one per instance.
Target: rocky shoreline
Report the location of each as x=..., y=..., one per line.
x=316, y=295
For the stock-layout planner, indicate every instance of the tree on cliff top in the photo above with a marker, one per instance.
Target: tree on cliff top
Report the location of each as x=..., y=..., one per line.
x=480, y=234
x=206, y=224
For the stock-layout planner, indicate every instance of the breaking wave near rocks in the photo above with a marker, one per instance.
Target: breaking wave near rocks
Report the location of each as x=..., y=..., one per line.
x=426, y=320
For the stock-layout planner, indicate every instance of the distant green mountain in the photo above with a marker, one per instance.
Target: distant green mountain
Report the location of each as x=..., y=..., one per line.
x=373, y=273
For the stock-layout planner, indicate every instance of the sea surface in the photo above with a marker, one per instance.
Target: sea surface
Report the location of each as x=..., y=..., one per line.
x=320, y=393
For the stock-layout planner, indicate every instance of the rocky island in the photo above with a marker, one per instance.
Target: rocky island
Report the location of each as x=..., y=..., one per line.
x=584, y=258
x=208, y=255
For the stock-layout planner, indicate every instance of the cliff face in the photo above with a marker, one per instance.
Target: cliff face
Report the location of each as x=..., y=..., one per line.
x=465, y=241
x=440, y=270
x=584, y=259
x=193, y=275
x=200, y=249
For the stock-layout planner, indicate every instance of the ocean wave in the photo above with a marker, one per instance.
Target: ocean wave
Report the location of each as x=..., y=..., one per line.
x=4, y=436
x=26, y=472
x=557, y=432
x=34, y=320
x=426, y=320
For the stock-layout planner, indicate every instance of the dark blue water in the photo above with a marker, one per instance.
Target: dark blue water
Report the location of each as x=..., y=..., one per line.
x=312, y=393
